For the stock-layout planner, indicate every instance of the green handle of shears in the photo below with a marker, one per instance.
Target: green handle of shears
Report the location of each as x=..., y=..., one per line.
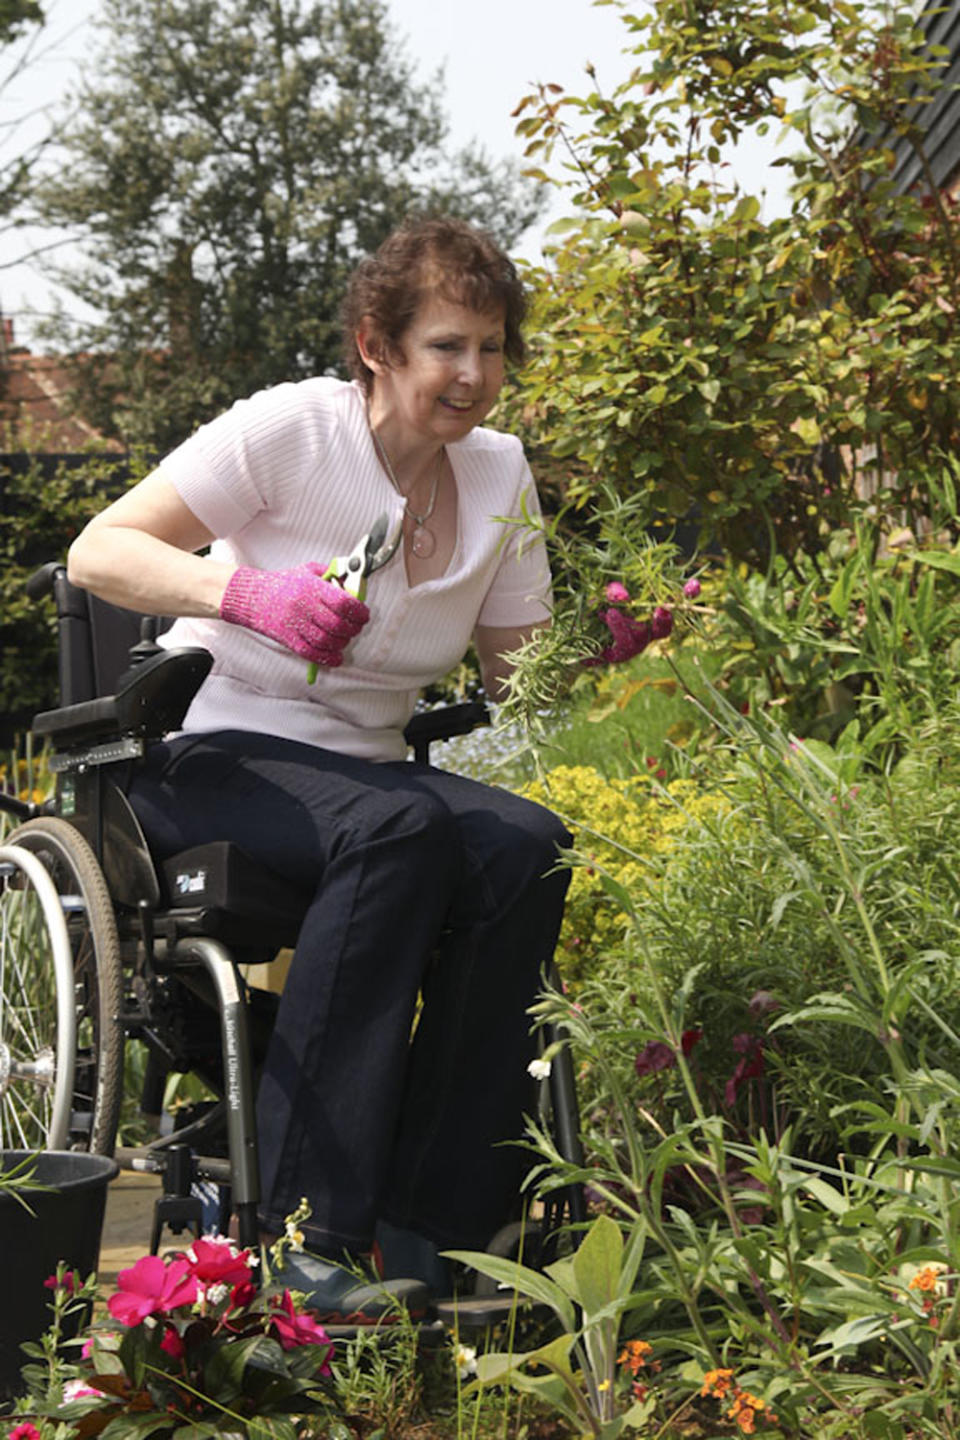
x=356, y=584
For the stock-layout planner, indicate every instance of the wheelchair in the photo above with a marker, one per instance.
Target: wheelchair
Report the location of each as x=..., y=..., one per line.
x=99, y=945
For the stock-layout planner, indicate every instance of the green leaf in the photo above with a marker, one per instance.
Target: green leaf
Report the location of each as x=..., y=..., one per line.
x=526, y=1282
x=596, y=1265
x=853, y=1333
x=938, y=559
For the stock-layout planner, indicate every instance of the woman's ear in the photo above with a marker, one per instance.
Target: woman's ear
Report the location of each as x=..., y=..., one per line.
x=370, y=345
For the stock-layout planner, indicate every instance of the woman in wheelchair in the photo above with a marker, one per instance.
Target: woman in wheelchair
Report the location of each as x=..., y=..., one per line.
x=421, y=883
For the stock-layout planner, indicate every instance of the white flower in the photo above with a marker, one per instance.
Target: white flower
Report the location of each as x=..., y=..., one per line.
x=539, y=1069
x=294, y=1237
x=80, y=1390
x=465, y=1361
x=216, y=1293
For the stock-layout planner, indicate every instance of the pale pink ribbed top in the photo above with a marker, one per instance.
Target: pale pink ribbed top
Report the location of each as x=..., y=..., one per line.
x=291, y=475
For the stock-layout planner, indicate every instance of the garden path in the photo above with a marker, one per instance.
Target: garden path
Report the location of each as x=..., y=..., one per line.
x=127, y=1224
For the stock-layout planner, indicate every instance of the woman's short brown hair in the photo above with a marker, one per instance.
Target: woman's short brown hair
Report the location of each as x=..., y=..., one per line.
x=464, y=264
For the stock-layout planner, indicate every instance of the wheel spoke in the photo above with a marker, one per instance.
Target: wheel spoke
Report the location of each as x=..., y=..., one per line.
x=83, y=1112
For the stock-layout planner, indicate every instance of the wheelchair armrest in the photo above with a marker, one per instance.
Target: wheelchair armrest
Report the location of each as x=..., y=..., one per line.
x=443, y=723
x=152, y=698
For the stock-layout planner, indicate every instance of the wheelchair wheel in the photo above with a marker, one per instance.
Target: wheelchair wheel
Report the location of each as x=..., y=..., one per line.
x=37, y=1026
x=91, y=1111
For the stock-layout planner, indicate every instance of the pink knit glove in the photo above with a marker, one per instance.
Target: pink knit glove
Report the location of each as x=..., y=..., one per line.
x=311, y=616
x=629, y=638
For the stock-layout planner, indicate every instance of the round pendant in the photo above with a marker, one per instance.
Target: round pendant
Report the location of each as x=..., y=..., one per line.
x=422, y=543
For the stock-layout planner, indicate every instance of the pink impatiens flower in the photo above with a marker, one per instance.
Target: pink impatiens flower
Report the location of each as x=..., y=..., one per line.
x=217, y=1262
x=152, y=1287
x=24, y=1431
x=296, y=1328
x=616, y=593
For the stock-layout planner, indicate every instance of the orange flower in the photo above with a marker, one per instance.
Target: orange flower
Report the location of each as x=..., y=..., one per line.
x=925, y=1279
x=718, y=1383
x=634, y=1355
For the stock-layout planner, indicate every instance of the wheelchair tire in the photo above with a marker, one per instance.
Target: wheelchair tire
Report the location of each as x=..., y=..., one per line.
x=37, y=1026
x=97, y=1089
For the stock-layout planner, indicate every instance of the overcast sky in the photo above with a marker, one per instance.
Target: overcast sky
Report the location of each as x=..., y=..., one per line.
x=492, y=53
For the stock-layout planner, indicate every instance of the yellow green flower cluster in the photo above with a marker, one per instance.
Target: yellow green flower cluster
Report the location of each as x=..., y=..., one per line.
x=619, y=826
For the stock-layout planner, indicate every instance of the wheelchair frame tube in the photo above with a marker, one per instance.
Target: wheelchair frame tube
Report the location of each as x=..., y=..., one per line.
x=237, y=1071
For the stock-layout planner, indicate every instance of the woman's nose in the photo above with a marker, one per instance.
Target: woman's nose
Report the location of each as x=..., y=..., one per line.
x=471, y=368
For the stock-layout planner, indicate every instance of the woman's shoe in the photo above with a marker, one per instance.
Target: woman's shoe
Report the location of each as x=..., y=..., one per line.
x=404, y=1252
x=339, y=1298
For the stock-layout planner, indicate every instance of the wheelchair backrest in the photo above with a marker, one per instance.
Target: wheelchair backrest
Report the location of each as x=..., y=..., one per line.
x=95, y=639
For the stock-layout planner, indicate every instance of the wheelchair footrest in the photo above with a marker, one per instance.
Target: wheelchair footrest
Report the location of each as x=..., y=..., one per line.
x=478, y=1312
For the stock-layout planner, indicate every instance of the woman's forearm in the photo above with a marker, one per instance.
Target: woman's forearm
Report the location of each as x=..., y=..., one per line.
x=141, y=553
x=141, y=572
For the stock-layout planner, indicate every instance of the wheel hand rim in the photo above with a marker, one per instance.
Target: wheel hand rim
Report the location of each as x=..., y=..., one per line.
x=36, y=1069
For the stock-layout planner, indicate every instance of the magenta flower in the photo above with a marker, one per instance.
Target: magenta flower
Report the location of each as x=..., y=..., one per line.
x=172, y=1343
x=616, y=593
x=296, y=1328
x=661, y=623
x=24, y=1431
x=654, y=1057
x=692, y=588
x=689, y=1038
x=152, y=1287
x=216, y=1262
x=67, y=1283
x=749, y=1067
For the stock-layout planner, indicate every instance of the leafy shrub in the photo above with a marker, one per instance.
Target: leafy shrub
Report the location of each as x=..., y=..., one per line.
x=619, y=827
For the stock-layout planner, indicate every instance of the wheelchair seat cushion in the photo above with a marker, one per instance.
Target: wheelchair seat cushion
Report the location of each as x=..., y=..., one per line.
x=236, y=898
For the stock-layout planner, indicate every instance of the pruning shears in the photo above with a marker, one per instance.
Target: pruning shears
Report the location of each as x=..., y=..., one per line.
x=352, y=571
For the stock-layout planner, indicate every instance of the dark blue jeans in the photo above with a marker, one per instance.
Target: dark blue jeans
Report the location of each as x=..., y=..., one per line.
x=423, y=883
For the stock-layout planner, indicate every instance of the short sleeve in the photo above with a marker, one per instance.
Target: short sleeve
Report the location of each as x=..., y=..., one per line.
x=234, y=467
x=521, y=592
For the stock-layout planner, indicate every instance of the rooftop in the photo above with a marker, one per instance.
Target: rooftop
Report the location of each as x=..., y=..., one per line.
x=37, y=413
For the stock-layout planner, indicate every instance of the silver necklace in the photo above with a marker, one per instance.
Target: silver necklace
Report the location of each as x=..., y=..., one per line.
x=423, y=542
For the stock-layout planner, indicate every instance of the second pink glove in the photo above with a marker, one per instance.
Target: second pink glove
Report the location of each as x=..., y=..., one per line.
x=313, y=617
x=629, y=638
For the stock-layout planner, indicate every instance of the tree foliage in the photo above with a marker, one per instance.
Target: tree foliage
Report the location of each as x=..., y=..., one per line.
x=15, y=15
x=232, y=161
x=762, y=375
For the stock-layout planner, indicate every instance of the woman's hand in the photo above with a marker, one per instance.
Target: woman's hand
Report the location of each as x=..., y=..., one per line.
x=313, y=617
x=629, y=638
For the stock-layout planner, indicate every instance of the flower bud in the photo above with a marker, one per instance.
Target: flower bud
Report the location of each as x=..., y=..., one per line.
x=661, y=623
x=692, y=588
x=616, y=593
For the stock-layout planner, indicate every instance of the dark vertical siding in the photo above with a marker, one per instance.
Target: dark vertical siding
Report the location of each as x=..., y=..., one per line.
x=940, y=118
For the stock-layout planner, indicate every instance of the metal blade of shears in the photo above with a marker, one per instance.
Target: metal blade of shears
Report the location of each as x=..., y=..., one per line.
x=379, y=548
x=351, y=571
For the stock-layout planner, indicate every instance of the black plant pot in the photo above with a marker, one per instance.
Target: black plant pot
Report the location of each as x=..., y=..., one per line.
x=63, y=1222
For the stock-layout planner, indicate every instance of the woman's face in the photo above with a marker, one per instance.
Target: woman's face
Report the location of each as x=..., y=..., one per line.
x=449, y=377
